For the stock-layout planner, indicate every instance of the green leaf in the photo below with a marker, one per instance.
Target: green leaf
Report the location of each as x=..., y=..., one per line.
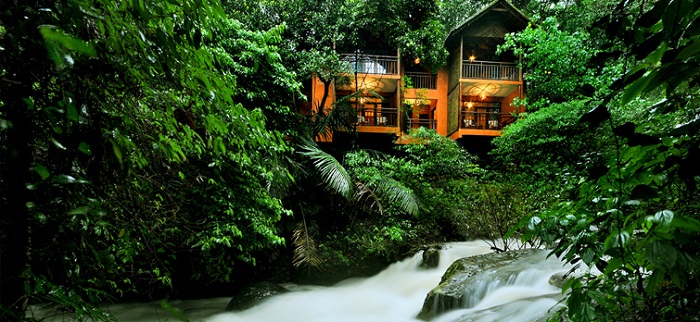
x=686, y=223
x=332, y=172
x=648, y=46
x=64, y=178
x=689, y=50
x=652, y=16
x=84, y=148
x=635, y=89
x=57, y=144
x=664, y=217
x=117, y=151
x=79, y=211
x=662, y=255
x=41, y=171
x=72, y=112
x=68, y=42
x=654, y=281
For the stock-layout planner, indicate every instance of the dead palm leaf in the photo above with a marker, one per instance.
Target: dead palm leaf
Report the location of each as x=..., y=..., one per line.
x=305, y=248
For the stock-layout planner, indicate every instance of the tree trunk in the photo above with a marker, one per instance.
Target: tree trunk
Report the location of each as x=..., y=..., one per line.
x=326, y=93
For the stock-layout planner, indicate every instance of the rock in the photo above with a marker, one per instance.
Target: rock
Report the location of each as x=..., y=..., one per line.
x=431, y=257
x=462, y=284
x=559, y=279
x=254, y=294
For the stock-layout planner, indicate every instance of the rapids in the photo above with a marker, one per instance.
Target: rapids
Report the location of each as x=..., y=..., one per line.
x=394, y=295
x=397, y=294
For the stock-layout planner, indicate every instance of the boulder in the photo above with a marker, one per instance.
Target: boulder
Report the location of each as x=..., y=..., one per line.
x=559, y=279
x=462, y=285
x=254, y=294
x=431, y=257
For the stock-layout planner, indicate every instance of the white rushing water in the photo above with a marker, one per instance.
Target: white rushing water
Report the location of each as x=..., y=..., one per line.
x=397, y=294
x=394, y=295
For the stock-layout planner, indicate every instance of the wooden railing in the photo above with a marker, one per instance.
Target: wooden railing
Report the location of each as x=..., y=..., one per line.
x=485, y=120
x=422, y=80
x=414, y=123
x=372, y=64
x=490, y=70
x=379, y=116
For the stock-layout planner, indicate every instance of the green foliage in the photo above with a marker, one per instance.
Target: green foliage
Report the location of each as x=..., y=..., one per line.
x=132, y=147
x=438, y=157
x=413, y=26
x=491, y=211
x=252, y=61
x=434, y=168
x=384, y=237
x=332, y=172
x=548, y=146
x=455, y=12
x=371, y=195
x=634, y=220
x=556, y=63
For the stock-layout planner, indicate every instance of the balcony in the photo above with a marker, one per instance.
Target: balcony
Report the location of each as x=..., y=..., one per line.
x=422, y=80
x=490, y=70
x=414, y=123
x=379, y=116
x=372, y=64
x=485, y=120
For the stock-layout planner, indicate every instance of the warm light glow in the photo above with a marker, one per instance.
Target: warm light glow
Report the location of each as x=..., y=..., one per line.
x=483, y=96
x=470, y=105
x=417, y=60
x=472, y=58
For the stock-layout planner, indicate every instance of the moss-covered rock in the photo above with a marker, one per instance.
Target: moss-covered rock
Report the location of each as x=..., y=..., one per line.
x=254, y=294
x=459, y=285
x=431, y=257
x=559, y=279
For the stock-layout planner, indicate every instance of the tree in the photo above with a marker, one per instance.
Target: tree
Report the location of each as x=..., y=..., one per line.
x=125, y=141
x=557, y=63
x=635, y=219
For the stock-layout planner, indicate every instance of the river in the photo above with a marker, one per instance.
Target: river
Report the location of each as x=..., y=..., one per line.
x=394, y=295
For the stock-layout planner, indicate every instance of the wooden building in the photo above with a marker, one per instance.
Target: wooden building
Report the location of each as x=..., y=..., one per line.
x=472, y=96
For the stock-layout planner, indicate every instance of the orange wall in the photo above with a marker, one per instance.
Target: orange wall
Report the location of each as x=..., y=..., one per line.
x=317, y=94
x=439, y=94
x=505, y=105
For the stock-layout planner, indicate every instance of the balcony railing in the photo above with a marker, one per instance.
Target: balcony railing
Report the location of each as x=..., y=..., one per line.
x=422, y=80
x=372, y=64
x=485, y=120
x=414, y=123
x=490, y=70
x=379, y=116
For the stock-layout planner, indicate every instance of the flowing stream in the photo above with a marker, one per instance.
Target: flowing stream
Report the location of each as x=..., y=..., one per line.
x=395, y=294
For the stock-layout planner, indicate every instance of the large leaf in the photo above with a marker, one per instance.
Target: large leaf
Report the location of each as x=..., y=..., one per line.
x=305, y=248
x=398, y=194
x=332, y=172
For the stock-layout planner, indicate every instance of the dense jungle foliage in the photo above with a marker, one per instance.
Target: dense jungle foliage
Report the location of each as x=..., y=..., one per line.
x=153, y=149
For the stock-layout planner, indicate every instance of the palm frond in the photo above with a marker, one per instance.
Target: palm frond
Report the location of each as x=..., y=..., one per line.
x=339, y=117
x=365, y=194
x=333, y=174
x=398, y=194
x=305, y=249
x=282, y=171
